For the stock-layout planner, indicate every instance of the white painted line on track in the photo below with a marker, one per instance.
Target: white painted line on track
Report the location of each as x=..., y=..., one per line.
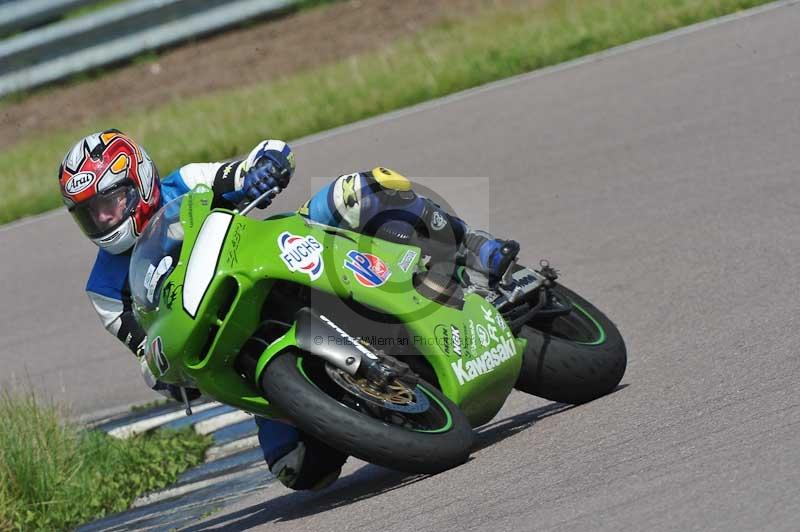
x=222, y=451
x=144, y=425
x=188, y=488
x=172, y=516
x=218, y=422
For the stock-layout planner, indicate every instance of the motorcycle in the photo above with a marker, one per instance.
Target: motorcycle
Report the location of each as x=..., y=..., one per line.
x=361, y=342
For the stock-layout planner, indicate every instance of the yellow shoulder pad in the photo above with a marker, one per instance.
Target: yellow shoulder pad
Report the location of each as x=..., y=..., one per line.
x=390, y=179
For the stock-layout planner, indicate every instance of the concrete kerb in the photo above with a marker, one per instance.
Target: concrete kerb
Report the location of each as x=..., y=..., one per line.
x=221, y=461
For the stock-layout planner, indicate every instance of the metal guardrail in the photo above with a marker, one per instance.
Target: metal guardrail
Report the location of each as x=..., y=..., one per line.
x=105, y=25
x=17, y=15
x=115, y=33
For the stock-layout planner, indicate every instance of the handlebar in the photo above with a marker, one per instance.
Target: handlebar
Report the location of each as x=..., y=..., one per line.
x=253, y=204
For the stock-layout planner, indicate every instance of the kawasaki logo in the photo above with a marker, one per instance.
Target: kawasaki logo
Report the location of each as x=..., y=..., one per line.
x=488, y=361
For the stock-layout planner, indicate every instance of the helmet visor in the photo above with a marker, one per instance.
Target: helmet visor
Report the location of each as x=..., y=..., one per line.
x=105, y=212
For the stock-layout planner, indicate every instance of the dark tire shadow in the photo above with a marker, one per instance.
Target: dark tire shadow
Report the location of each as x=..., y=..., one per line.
x=364, y=483
x=497, y=431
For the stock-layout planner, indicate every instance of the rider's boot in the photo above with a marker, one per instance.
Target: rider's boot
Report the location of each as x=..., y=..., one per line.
x=299, y=461
x=491, y=256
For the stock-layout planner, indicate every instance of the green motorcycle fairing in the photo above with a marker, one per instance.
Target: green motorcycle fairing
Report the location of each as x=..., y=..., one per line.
x=200, y=278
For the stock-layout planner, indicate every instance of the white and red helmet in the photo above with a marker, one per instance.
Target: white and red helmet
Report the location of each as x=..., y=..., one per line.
x=110, y=186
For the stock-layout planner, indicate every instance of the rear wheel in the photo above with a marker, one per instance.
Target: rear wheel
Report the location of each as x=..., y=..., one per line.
x=411, y=428
x=572, y=358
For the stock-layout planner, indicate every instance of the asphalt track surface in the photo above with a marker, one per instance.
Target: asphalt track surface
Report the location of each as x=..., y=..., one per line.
x=664, y=181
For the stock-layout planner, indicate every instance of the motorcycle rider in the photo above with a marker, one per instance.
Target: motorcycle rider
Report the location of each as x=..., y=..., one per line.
x=381, y=202
x=112, y=188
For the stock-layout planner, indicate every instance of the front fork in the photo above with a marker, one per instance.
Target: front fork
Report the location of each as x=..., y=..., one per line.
x=345, y=352
x=318, y=335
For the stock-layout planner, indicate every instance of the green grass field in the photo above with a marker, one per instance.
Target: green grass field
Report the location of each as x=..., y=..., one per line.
x=438, y=61
x=54, y=476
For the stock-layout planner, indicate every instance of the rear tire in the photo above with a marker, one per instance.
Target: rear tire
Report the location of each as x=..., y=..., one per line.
x=356, y=433
x=574, y=358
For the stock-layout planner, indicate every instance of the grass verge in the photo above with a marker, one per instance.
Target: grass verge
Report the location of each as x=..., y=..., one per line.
x=444, y=59
x=150, y=405
x=91, y=8
x=54, y=476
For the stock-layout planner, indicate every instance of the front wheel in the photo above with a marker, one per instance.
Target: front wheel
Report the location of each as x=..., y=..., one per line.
x=414, y=429
x=573, y=358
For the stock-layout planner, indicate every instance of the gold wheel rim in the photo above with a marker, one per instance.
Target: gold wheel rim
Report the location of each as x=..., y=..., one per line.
x=396, y=393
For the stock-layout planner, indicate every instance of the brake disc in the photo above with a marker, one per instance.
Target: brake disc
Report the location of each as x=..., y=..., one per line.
x=397, y=396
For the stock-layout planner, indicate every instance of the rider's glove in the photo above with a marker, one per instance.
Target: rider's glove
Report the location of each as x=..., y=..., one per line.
x=269, y=166
x=259, y=179
x=170, y=391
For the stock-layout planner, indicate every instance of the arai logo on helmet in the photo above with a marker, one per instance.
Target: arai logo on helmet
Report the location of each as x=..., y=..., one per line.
x=301, y=254
x=79, y=182
x=369, y=270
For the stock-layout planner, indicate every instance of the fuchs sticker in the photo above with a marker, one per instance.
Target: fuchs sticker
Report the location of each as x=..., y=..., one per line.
x=301, y=254
x=79, y=182
x=158, y=356
x=485, y=363
x=407, y=260
x=369, y=269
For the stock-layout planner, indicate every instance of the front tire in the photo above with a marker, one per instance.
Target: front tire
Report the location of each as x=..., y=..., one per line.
x=574, y=358
x=446, y=444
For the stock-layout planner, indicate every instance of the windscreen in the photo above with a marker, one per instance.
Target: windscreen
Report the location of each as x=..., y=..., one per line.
x=155, y=255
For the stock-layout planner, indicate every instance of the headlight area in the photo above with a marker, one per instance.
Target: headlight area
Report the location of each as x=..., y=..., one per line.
x=204, y=260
